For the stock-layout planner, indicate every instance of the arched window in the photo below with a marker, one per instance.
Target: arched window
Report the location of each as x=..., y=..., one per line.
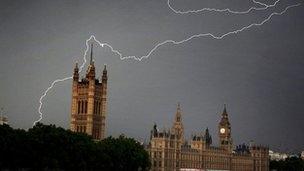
x=100, y=107
x=94, y=107
x=86, y=106
x=78, y=107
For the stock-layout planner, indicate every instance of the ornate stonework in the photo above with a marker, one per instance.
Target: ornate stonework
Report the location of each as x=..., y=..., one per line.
x=169, y=151
x=89, y=100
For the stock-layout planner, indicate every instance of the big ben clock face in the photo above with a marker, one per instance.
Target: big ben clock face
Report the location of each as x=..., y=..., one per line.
x=222, y=130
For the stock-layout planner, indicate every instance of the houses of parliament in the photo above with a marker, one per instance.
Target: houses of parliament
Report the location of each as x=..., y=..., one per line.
x=168, y=150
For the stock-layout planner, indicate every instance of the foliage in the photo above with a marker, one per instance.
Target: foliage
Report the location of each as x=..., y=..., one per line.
x=290, y=164
x=45, y=147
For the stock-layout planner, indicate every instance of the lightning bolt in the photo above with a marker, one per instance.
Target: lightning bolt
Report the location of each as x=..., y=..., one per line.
x=61, y=80
x=224, y=10
x=158, y=45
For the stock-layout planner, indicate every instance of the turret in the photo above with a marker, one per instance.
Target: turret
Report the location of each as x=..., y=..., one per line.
x=207, y=137
x=76, y=73
x=104, y=75
x=178, y=128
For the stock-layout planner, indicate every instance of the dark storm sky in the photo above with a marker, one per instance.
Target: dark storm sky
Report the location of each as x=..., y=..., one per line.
x=258, y=72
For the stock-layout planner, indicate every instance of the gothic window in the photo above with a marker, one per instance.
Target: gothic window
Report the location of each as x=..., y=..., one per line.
x=78, y=107
x=102, y=106
x=98, y=108
x=86, y=107
x=95, y=107
x=82, y=106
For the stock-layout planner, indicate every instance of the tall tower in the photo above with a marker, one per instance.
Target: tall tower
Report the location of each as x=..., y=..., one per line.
x=207, y=138
x=178, y=128
x=89, y=99
x=224, y=131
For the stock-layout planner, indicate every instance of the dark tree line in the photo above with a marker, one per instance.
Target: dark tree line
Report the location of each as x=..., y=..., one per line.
x=45, y=147
x=290, y=164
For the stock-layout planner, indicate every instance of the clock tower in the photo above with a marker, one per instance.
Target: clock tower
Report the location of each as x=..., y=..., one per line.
x=178, y=128
x=224, y=131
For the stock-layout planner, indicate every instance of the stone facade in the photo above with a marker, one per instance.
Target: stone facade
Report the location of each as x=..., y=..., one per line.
x=89, y=102
x=169, y=151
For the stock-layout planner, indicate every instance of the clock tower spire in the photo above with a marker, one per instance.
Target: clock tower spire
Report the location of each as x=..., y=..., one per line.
x=225, y=131
x=178, y=128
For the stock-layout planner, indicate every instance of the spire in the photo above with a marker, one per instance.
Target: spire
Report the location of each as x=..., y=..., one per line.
x=177, y=127
x=178, y=113
x=154, y=131
x=207, y=137
x=76, y=72
x=76, y=65
x=224, y=119
x=91, y=56
x=225, y=114
x=91, y=69
x=105, y=69
x=104, y=75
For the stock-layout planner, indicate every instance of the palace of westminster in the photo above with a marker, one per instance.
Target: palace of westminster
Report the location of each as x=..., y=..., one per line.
x=168, y=150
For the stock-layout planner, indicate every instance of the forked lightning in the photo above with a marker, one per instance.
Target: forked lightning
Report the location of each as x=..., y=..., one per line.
x=211, y=35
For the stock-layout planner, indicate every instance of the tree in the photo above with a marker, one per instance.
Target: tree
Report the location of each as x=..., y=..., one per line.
x=122, y=154
x=51, y=147
x=289, y=164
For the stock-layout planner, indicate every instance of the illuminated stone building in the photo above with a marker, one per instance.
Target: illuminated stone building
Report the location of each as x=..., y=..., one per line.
x=89, y=100
x=170, y=152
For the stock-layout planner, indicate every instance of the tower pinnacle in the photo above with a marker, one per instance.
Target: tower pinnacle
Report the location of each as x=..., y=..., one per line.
x=91, y=56
x=76, y=72
x=178, y=113
x=105, y=69
x=76, y=66
x=225, y=114
x=178, y=128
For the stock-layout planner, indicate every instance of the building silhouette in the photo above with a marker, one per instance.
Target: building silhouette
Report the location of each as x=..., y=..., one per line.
x=89, y=101
x=168, y=150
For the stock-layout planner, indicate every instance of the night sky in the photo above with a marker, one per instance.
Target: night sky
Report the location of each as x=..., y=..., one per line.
x=258, y=73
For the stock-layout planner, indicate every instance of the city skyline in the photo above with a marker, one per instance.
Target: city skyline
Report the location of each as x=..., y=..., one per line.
x=257, y=73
